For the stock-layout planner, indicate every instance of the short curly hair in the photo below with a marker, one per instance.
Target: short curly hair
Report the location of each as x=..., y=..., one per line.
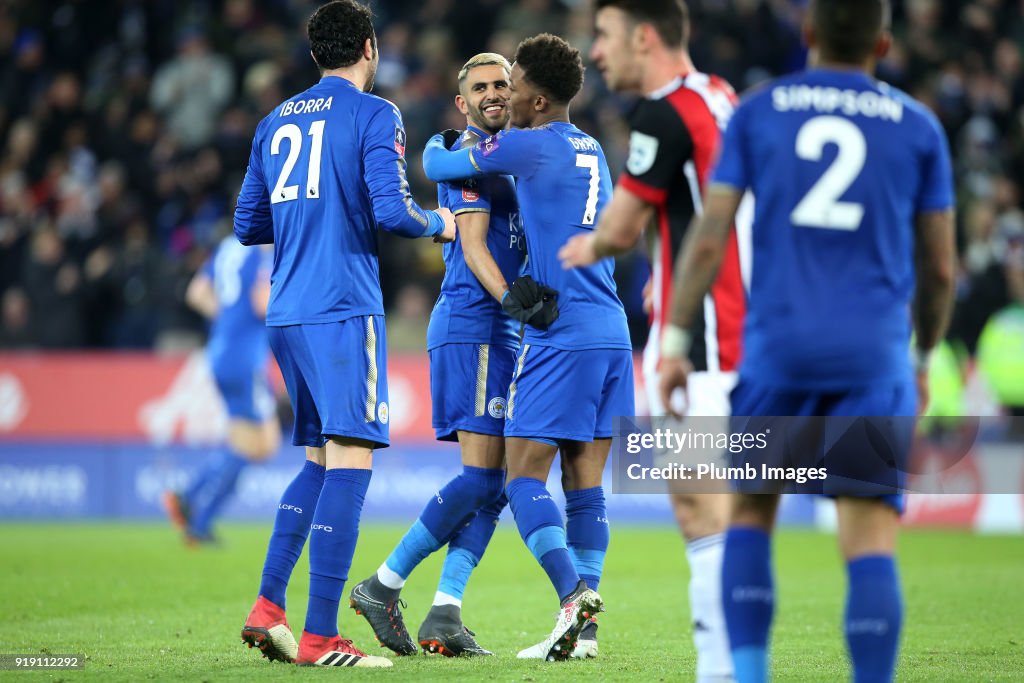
x=337, y=32
x=551, y=64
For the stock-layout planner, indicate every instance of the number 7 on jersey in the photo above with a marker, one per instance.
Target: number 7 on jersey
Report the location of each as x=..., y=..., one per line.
x=589, y=161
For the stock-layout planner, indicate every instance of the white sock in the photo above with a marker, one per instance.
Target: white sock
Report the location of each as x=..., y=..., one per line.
x=714, y=660
x=445, y=599
x=389, y=578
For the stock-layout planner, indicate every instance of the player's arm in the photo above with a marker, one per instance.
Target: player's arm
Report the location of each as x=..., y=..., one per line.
x=473, y=227
x=253, y=222
x=201, y=296
x=512, y=152
x=935, y=256
x=659, y=145
x=702, y=253
x=694, y=273
x=259, y=293
x=394, y=208
x=934, y=244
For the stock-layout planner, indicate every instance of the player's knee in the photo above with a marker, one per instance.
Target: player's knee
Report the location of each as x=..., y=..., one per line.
x=754, y=510
x=488, y=491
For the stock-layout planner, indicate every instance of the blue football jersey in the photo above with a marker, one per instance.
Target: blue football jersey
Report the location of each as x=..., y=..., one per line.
x=839, y=164
x=465, y=311
x=563, y=184
x=327, y=167
x=238, y=335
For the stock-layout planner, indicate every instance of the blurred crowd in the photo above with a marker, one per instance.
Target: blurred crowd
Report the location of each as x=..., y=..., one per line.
x=125, y=128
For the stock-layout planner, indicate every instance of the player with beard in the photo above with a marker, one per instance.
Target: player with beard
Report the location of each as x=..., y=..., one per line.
x=327, y=169
x=472, y=345
x=640, y=47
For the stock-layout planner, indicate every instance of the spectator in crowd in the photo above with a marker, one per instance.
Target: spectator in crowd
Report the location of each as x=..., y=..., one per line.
x=125, y=128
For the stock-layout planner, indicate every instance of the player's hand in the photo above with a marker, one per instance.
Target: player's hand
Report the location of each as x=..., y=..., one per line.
x=532, y=303
x=648, y=296
x=921, y=377
x=672, y=375
x=450, y=136
x=448, y=234
x=578, y=251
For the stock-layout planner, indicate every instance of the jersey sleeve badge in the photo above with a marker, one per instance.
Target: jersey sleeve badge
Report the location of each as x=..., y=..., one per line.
x=643, y=150
x=488, y=145
x=470, y=193
x=400, y=140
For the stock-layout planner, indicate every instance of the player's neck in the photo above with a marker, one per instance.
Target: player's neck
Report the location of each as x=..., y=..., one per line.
x=550, y=116
x=353, y=74
x=663, y=69
x=819, y=61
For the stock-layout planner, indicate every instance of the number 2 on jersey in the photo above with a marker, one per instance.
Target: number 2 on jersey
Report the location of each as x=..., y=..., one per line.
x=820, y=207
x=589, y=161
x=287, y=193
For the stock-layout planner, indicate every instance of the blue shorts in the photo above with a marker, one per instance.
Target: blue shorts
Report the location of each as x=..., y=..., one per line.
x=863, y=444
x=245, y=389
x=468, y=386
x=569, y=395
x=336, y=375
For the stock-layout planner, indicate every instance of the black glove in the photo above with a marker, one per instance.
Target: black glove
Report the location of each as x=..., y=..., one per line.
x=450, y=136
x=531, y=302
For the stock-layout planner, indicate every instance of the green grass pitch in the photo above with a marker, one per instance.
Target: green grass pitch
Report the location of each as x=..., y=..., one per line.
x=142, y=607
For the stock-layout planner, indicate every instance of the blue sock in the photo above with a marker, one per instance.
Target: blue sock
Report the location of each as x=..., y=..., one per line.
x=291, y=527
x=587, y=532
x=332, y=542
x=446, y=514
x=467, y=548
x=220, y=485
x=540, y=525
x=874, y=615
x=204, y=476
x=748, y=598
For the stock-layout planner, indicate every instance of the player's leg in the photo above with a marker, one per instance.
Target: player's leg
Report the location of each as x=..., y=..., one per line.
x=539, y=412
x=537, y=517
x=860, y=457
x=442, y=631
x=701, y=518
x=355, y=422
x=460, y=388
x=335, y=529
x=874, y=604
x=748, y=590
x=586, y=528
x=249, y=442
x=266, y=626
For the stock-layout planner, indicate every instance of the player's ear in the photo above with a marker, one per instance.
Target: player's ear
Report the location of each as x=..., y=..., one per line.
x=460, y=104
x=643, y=37
x=540, y=103
x=809, y=36
x=368, y=49
x=883, y=44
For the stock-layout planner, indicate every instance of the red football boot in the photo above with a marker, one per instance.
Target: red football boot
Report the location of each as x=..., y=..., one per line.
x=317, y=650
x=267, y=628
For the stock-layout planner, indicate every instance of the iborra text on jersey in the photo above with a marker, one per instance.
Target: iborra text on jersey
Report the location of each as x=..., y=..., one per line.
x=310, y=106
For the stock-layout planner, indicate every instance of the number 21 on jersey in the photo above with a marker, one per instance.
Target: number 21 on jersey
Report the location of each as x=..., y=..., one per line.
x=283, y=192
